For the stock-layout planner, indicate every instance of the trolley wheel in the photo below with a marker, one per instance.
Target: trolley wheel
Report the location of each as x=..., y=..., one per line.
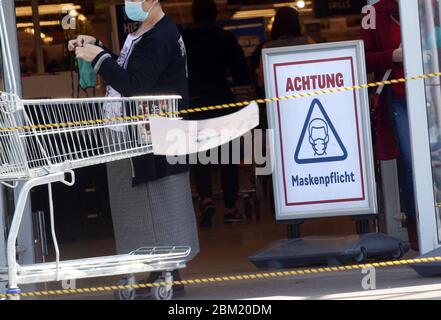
x=248, y=208
x=161, y=292
x=125, y=294
x=399, y=253
x=362, y=256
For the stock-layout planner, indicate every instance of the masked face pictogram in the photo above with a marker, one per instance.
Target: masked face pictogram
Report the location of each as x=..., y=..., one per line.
x=318, y=136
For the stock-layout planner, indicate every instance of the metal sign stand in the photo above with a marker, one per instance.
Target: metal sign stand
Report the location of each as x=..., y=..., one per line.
x=293, y=229
x=297, y=251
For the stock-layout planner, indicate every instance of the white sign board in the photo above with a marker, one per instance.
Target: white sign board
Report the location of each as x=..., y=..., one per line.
x=323, y=163
x=171, y=137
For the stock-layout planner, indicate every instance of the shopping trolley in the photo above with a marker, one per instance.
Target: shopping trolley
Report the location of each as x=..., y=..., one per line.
x=44, y=141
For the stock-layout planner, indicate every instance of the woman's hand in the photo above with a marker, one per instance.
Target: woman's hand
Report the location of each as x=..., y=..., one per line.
x=80, y=41
x=88, y=52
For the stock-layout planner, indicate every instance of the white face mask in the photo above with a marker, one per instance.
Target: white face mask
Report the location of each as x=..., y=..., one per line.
x=135, y=11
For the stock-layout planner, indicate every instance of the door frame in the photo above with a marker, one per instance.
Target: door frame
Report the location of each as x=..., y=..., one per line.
x=419, y=129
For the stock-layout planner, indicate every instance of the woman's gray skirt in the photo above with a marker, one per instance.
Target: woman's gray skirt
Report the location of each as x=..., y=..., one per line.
x=154, y=214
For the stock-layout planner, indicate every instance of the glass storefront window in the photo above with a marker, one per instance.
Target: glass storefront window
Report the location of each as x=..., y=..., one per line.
x=430, y=13
x=57, y=21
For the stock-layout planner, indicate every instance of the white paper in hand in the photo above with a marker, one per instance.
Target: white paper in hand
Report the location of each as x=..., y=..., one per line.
x=171, y=137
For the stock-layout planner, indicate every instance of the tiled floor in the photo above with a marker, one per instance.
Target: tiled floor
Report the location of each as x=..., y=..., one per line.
x=225, y=249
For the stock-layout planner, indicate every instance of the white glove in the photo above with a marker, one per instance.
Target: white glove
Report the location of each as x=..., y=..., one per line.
x=80, y=41
x=397, y=55
x=88, y=52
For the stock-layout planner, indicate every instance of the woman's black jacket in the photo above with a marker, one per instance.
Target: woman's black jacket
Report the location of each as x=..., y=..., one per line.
x=157, y=65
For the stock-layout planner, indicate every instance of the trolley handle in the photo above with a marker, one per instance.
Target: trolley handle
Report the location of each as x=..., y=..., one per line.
x=14, y=184
x=72, y=178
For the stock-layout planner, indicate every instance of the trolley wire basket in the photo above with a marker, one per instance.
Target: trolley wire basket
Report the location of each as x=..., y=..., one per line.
x=42, y=136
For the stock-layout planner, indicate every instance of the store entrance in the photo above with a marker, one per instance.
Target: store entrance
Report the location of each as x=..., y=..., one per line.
x=84, y=222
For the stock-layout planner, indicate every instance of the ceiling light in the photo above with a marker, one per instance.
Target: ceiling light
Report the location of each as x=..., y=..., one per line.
x=254, y=13
x=300, y=4
x=52, y=23
x=47, y=9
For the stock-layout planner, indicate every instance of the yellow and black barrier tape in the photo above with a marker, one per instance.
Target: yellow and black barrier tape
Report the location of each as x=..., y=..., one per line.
x=219, y=279
x=219, y=107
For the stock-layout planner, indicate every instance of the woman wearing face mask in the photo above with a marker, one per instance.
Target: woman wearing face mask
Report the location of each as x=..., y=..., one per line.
x=150, y=199
x=384, y=54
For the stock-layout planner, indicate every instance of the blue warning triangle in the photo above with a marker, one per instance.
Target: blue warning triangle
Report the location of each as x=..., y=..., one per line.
x=319, y=141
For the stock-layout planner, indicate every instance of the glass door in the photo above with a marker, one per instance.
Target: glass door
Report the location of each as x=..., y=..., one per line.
x=430, y=28
x=3, y=205
x=2, y=82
